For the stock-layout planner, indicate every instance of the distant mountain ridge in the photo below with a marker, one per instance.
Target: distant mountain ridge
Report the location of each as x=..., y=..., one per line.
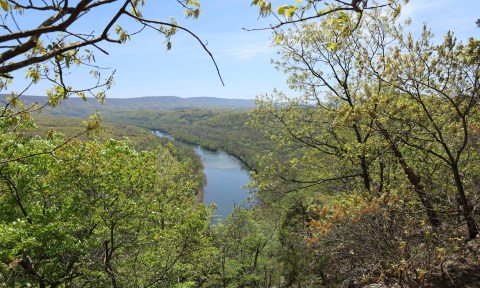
x=76, y=107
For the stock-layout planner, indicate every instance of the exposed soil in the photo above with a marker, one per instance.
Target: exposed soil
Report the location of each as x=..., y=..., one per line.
x=458, y=277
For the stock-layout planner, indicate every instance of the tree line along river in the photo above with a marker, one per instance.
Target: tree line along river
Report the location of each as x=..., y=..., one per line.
x=225, y=176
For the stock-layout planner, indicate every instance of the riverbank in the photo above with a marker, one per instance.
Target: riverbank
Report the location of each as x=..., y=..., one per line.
x=212, y=129
x=225, y=177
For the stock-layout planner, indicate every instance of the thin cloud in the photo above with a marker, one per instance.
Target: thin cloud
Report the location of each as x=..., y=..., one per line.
x=248, y=51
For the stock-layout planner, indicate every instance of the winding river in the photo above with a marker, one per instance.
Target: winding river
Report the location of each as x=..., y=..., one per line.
x=225, y=177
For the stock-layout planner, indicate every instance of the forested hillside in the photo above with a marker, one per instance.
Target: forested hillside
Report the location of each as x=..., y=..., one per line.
x=77, y=107
x=141, y=139
x=214, y=129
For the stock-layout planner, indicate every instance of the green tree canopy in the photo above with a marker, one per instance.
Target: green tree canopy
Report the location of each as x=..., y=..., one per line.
x=98, y=214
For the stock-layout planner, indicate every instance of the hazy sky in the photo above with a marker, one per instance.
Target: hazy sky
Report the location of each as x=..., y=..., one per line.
x=144, y=67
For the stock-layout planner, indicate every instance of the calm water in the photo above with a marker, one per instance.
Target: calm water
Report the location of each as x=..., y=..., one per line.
x=225, y=177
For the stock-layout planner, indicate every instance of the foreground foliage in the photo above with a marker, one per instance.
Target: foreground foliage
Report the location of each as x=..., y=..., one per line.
x=385, y=174
x=97, y=214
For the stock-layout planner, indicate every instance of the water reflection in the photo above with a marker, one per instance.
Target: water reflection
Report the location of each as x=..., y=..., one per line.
x=225, y=177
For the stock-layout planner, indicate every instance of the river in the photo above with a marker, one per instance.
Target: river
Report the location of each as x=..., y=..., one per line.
x=225, y=177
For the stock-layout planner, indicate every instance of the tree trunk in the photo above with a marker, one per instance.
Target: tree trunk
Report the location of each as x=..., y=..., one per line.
x=365, y=174
x=467, y=209
x=414, y=180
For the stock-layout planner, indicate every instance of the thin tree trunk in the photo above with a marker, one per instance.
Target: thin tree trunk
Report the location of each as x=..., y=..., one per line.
x=414, y=180
x=467, y=209
x=365, y=174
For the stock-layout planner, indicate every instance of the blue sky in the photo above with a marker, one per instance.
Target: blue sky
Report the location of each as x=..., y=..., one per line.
x=144, y=67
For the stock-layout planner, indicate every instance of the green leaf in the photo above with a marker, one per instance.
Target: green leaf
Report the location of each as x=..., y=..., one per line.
x=291, y=11
x=332, y=46
x=278, y=38
x=281, y=10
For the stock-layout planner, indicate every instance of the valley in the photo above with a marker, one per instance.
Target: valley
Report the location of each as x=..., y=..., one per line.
x=354, y=162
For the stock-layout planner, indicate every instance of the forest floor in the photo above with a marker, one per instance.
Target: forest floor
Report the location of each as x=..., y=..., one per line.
x=458, y=277
x=461, y=272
